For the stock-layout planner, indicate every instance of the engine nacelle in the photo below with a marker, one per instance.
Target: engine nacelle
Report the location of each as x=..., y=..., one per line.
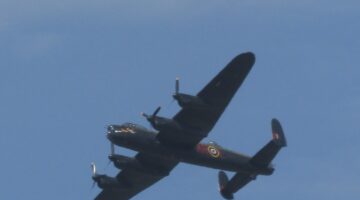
x=105, y=182
x=165, y=124
x=162, y=123
x=121, y=162
x=189, y=101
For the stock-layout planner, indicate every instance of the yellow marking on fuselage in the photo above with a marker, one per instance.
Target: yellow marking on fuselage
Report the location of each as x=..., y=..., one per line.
x=213, y=151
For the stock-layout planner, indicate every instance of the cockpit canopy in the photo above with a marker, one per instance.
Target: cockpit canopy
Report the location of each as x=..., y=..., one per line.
x=127, y=127
x=133, y=126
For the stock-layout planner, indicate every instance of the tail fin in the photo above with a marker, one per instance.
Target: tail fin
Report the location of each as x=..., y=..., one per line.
x=223, y=181
x=229, y=187
x=264, y=157
x=278, y=133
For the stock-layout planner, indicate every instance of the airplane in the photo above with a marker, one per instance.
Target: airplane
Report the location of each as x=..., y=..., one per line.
x=178, y=139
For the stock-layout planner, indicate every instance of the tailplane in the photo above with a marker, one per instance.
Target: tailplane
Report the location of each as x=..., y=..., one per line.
x=229, y=187
x=264, y=157
x=223, y=181
x=261, y=161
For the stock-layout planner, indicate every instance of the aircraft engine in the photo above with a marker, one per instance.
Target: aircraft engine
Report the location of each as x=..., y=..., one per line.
x=121, y=162
x=103, y=181
x=187, y=101
x=162, y=123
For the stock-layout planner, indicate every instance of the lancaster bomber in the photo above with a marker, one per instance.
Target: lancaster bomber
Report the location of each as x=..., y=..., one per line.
x=177, y=139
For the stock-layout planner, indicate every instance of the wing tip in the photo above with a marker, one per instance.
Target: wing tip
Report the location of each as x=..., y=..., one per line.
x=246, y=58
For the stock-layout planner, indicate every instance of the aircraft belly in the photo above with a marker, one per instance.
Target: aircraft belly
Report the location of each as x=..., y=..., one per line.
x=217, y=158
x=206, y=155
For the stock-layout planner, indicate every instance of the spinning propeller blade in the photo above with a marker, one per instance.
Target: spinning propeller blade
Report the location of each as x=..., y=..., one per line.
x=151, y=117
x=177, y=85
x=112, y=153
x=93, y=185
x=156, y=112
x=144, y=115
x=93, y=169
x=112, y=148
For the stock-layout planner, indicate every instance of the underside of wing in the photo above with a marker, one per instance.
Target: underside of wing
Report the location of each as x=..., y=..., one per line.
x=134, y=180
x=195, y=122
x=109, y=194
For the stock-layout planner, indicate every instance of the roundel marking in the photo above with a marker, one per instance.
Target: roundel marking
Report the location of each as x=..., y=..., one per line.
x=214, y=152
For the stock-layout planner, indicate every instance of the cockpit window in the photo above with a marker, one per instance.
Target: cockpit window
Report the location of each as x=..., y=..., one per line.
x=129, y=125
x=133, y=127
x=127, y=128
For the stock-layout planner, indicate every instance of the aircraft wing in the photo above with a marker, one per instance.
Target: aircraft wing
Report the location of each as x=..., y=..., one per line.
x=216, y=95
x=109, y=194
x=136, y=180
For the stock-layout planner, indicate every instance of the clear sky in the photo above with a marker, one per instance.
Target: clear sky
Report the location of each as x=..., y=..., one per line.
x=69, y=68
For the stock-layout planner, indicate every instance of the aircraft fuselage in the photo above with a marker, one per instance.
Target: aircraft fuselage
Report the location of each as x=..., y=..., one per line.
x=138, y=138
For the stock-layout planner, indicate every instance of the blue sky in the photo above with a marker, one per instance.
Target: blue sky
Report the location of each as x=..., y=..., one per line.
x=69, y=68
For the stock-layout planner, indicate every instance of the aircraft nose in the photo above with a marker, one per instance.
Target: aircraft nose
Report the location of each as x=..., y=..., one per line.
x=110, y=132
x=110, y=128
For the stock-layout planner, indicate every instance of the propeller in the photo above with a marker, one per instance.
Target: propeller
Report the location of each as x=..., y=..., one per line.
x=94, y=174
x=112, y=148
x=93, y=169
x=151, y=118
x=156, y=111
x=93, y=185
x=177, y=89
x=177, y=85
x=112, y=152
